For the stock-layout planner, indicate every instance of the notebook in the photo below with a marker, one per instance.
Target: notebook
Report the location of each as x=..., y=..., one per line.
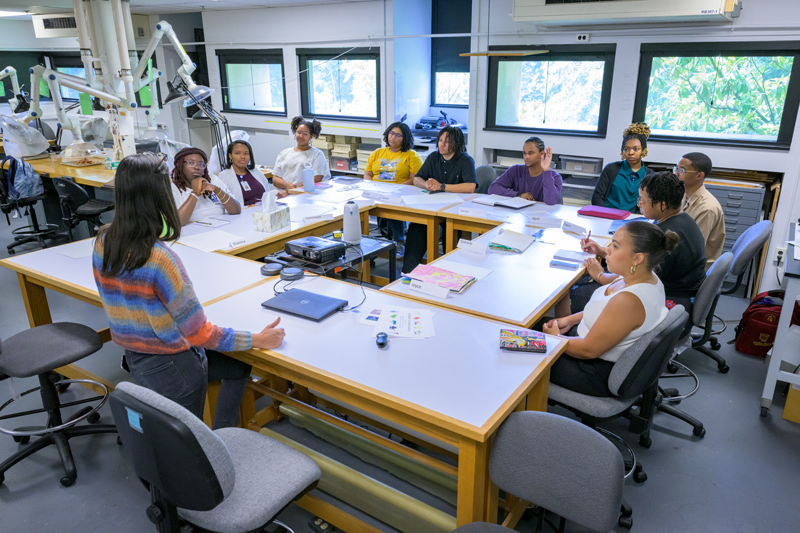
x=453, y=281
x=305, y=304
x=573, y=256
x=511, y=241
x=523, y=340
x=503, y=201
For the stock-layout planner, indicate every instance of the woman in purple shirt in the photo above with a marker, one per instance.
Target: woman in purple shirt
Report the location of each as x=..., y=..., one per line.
x=534, y=180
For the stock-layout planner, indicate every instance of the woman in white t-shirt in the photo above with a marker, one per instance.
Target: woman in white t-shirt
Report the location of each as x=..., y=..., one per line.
x=288, y=171
x=196, y=194
x=618, y=313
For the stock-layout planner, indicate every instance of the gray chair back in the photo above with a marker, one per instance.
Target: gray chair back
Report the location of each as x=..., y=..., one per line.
x=172, y=449
x=486, y=175
x=748, y=244
x=705, y=301
x=641, y=364
x=560, y=465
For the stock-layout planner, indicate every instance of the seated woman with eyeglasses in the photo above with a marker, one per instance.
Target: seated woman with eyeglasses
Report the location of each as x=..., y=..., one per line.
x=246, y=183
x=196, y=194
x=152, y=309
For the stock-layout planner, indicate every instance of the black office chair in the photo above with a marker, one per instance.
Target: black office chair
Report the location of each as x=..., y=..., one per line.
x=38, y=352
x=745, y=249
x=561, y=466
x=485, y=175
x=34, y=232
x=633, y=379
x=76, y=206
x=231, y=479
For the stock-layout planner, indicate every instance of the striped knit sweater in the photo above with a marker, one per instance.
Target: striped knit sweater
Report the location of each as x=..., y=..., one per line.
x=154, y=309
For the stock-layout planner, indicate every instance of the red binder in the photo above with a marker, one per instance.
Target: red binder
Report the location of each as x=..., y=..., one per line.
x=603, y=212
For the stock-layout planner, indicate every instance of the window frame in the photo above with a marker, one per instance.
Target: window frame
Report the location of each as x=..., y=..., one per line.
x=648, y=51
x=306, y=54
x=249, y=56
x=605, y=53
x=444, y=21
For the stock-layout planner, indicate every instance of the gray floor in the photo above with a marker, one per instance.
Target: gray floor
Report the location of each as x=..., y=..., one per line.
x=740, y=478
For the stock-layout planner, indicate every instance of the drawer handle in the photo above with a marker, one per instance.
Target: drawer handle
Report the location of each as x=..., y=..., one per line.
x=734, y=204
x=733, y=213
x=735, y=196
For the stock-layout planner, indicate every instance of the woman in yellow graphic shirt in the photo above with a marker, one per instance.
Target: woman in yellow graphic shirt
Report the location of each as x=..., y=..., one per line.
x=395, y=163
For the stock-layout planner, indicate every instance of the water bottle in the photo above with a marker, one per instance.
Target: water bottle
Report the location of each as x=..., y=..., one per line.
x=308, y=178
x=351, y=223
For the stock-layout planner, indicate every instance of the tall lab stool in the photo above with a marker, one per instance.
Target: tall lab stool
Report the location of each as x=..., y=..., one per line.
x=38, y=352
x=76, y=206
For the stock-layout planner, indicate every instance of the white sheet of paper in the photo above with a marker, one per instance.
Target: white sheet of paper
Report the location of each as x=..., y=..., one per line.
x=300, y=212
x=402, y=322
x=436, y=198
x=212, y=240
x=465, y=270
x=76, y=250
x=211, y=222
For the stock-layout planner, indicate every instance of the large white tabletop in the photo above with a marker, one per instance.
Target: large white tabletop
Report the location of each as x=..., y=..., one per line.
x=521, y=286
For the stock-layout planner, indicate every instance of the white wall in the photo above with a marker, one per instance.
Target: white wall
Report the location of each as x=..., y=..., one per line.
x=756, y=25
x=411, y=60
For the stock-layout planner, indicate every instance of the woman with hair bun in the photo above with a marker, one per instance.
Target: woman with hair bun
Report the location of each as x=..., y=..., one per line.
x=618, y=186
x=288, y=171
x=618, y=313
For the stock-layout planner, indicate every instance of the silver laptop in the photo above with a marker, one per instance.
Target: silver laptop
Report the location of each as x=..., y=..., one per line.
x=305, y=304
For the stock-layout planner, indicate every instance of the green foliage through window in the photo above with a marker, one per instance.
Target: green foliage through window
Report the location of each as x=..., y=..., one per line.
x=721, y=97
x=452, y=88
x=255, y=87
x=343, y=87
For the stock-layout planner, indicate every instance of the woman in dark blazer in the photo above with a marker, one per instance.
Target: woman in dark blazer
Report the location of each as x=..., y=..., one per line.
x=618, y=186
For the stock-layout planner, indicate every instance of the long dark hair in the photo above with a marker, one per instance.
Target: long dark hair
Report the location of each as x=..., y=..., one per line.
x=145, y=213
x=251, y=165
x=408, y=137
x=177, y=172
x=650, y=240
x=456, y=137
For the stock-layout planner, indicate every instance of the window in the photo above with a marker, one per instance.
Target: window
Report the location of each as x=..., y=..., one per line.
x=450, y=71
x=561, y=91
x=720, y=93
x=252, y=81
x=340, y=84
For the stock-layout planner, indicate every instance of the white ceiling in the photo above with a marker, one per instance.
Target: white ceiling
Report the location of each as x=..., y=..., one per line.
x=155, y=7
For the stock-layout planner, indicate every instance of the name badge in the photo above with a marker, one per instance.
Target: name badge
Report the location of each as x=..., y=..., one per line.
x=569, y=227
x=472, y=212
x=245, y=185
x=317, y=218
x=429, y=288
x=545, y=222
x=472, y=246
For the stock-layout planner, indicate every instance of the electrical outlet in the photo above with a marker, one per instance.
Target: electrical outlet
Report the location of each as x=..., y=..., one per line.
x=780, y=255
x=582, y=38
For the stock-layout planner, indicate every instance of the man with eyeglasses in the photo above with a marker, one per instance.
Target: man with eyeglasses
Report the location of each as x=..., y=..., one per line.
x=700, y=204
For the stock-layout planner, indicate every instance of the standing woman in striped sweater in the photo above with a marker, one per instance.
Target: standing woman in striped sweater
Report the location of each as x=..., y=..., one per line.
x=152, y=309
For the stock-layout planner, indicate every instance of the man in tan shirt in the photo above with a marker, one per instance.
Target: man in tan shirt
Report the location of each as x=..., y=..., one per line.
x=701, y=204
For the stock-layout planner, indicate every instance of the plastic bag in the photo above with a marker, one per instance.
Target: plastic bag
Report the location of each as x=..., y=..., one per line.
x=94, y=131
x=19, y=140
x=170, y=147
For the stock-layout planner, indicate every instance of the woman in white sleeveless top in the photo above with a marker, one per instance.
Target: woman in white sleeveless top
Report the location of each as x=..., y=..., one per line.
x=618, y=313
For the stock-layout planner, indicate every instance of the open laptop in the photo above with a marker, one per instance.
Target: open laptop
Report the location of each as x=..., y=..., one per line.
x=305, y=304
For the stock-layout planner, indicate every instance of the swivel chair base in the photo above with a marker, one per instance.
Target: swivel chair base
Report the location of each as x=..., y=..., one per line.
x=34, y=232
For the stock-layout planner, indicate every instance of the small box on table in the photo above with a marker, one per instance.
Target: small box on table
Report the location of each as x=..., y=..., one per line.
x=270, y=221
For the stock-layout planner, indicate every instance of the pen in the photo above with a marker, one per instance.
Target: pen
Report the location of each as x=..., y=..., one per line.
x=589, y=236
x=203, y=223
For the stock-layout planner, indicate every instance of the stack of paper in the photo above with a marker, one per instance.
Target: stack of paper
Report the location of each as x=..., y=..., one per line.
x=454, y=282
x=401, y=322
x=511, y=241
x=572, y=256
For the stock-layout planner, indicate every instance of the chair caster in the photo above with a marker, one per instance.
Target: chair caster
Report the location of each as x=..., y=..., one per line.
x=715, y=345
x=93, y=418
x=2, y=478
x=764, y=411
x=119, y=441
x=639, y=475
x=625, y=522
x=22, y=440
x=67, y=481
x=11, y=251
x=672, y=368
x=699, y=432
x=723, y=367
x=645, y=442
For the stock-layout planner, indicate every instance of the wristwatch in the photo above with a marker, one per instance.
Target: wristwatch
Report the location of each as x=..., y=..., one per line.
x=441, y=187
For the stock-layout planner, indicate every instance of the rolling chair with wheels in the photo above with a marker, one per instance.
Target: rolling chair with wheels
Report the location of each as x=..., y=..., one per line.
x=633, y=379
x=561, y=466
x=231, y=479
x=34, y=232
x=705, y=303
x=76, y=206
x=486, y=176
x=745, y=249
x=37, y=352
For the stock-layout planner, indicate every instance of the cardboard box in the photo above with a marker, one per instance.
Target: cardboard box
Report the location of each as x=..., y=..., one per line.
x=791, y=410
x=344, y=147
x=343, y=163
x=343, y=153
x=577, y=164
x=322, y=143
x=346, y=139
x=271, y=221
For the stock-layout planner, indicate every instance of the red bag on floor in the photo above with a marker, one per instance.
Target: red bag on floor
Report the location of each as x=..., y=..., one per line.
x=755, y=333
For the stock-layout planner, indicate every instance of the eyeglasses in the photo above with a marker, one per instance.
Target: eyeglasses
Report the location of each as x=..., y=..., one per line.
x=393, y=134
x=678, y=171
x=640, y=201
x=196, y=164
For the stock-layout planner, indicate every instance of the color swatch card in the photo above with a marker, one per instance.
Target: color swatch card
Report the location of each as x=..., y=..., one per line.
x=523, y=340
x=453, y=281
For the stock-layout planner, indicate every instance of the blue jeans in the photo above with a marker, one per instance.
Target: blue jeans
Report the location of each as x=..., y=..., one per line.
x=183, y=378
